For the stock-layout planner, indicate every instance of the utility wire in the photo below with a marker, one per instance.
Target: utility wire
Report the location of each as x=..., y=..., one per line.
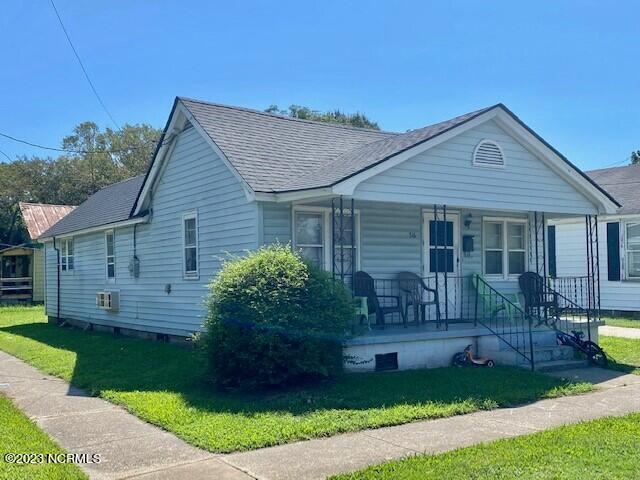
x=8, y=157
x=67, y=150
x=84, y=70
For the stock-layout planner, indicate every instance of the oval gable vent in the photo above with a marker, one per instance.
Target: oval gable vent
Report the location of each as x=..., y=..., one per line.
x=488, y=154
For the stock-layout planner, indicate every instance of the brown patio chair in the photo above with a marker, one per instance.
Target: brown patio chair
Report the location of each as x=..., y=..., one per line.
x=419, y=296
x=364, y=286
x=537, y=296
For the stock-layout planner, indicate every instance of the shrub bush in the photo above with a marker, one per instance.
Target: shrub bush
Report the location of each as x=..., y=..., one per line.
x=274, y=319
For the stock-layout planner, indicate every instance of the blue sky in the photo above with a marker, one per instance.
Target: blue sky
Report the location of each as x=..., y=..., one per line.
x=569, y=69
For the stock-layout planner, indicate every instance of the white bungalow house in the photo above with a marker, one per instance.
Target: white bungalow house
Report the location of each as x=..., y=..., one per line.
x=461, y=204
x=618, y=242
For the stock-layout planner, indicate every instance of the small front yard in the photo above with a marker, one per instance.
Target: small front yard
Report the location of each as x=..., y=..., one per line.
x=165, y=385
x=605, y=448
x=623, y=353
x=622, y=322
x=19, y=435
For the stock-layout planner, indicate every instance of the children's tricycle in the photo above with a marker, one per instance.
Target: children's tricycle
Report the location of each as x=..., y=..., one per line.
x=466, y=359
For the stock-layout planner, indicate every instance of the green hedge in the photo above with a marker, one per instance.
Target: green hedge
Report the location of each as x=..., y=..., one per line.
x=274, y=319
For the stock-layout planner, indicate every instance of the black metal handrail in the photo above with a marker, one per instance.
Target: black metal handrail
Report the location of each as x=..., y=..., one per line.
x=573, y=311
x=503, y=316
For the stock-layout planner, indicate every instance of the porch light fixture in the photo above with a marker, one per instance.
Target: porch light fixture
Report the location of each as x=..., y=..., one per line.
x=467, y=221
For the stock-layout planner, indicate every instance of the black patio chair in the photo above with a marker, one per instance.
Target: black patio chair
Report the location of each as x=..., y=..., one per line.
x=364, y=286
x=537, y=296
x=419, y=296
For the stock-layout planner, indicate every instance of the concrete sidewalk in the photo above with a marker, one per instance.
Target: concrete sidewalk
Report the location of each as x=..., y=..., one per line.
x=80, y=424
x=618, y=394
x=624, y=332
x=132, y=448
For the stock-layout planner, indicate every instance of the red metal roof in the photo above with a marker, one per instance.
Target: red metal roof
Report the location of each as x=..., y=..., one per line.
x=39, y=217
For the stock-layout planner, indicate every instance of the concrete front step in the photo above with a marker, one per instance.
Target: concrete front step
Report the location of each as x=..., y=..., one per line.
x=547, y=353
x=557, y=365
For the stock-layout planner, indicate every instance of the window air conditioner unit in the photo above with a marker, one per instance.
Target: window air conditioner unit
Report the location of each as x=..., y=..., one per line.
x=108, y=300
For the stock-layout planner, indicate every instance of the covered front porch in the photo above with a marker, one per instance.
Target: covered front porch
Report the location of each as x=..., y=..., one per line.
x=16, y=274
x=428, y=280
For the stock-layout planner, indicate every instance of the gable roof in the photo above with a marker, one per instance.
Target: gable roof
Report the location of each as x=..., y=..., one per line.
x=39, y=217
x=275, y=154
x=623, y=183
x=108, y=205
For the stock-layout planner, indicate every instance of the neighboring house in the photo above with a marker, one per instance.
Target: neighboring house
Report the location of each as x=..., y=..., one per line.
x=619, y=242
x=470, y=195
x=22, y=269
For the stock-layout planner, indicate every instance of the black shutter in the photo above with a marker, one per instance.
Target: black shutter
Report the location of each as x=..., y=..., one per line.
x=551, y=242
x=613, y=251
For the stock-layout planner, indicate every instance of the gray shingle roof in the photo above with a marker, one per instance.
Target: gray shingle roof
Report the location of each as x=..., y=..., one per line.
x=623, y=183
x=273, y=153
x=108, y=205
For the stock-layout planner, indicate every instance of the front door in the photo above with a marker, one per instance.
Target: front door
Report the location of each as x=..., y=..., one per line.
x=441, y=254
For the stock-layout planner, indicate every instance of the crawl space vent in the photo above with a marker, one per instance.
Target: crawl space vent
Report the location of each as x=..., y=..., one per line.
x=488, y=154
x=386, y=361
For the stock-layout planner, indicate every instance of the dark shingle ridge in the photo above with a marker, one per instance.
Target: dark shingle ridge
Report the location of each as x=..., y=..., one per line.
x=110, y=204
x=285, y=117
x=623, y=183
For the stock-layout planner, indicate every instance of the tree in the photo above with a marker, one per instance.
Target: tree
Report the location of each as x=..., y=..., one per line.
x=334, y=116
x=635, y=157
x=94, y=160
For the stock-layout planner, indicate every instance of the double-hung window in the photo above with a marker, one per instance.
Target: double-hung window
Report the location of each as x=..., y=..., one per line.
x=504, y=247
x=190, y=245
x=493, y=248
x=110, y=255
x=309, y=235
x=66, y=254
x=632, y=250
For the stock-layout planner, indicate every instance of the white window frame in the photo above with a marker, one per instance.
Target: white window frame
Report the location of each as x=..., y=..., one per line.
x=107, y=256
x=625, y=250
x=195, y=274
x=326, y=234
x=64, y=254
x=505, y=221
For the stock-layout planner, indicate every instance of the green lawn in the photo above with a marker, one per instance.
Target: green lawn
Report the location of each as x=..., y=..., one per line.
x=601, y=449
x=19, y=435
x=165, y=385
x=622, y=322
x=623, y=353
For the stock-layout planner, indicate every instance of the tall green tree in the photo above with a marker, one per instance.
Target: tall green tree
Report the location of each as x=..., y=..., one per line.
x=94, y=159
x=333, y=116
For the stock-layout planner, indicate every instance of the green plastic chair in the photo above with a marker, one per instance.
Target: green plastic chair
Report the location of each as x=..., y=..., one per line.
x=489, y=303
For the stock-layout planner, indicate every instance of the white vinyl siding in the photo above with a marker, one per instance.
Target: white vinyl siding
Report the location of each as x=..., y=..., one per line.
x=571, y=260
x=194, y=179
x=445, y=174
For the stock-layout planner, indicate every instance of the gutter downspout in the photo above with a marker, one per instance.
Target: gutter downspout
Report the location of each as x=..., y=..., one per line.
x=58, y=280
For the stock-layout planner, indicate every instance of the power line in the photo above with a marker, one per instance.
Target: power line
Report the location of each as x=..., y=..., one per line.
x=68, y=150
x=84, y=70
x=8, y=157
x=628, y=159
